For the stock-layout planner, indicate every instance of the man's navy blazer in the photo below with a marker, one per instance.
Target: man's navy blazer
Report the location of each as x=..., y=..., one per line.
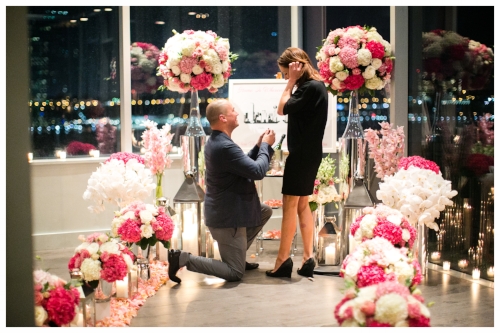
x=231, y=199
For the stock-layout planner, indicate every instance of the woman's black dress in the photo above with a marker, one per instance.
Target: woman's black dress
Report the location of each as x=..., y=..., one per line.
x=307, y=111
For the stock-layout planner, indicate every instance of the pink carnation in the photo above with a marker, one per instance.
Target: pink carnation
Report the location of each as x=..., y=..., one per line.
x=125, y=157
x=377, y=49
x=389, y=231
x=369, y=275
x=130, y=231
x=163, y=227
x=418, y=162
x=201, y=81
x=113, y=267
x=354, y=82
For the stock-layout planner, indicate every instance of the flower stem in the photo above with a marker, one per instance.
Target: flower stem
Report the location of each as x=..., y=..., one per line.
x=159, y=189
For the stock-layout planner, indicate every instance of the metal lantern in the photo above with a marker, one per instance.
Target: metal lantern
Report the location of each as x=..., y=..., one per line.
x=143, y=269
x=188, y=204
x=86, y=306
x=328, y=246
x=211, y=246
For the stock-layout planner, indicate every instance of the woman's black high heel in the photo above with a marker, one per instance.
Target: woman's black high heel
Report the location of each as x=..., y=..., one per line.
x=285, y=270
x=307, y=268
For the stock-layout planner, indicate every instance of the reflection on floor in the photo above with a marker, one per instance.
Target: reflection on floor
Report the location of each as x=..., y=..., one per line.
x=261, y=301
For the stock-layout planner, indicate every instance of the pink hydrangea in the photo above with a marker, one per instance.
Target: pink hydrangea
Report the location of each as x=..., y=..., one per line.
x=354, y=82
x=114, y=267
x=349, y=57
x=130, y=231
x=163, y=227
x=389, y=231
x=61, y=304
x=201, y=81
x=376, y=49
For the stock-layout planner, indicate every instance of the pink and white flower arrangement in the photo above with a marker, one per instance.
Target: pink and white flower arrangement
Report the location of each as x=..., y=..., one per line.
x=101, y=257
x=195, y=60
x=387, y=304
x=386, y=147
x=120, y=180
x=158, y=144
x=449, y=57
x=418, y=190
x=355, y=58
x=324, y=186
x=376, y=260
x=56, y=302
x=144, y=61
x=143, y=224
x=385, y=222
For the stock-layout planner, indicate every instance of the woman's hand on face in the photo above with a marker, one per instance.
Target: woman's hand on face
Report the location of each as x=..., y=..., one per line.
x=295, y=71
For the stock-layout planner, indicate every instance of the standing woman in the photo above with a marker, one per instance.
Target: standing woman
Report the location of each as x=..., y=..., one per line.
x=307, y=110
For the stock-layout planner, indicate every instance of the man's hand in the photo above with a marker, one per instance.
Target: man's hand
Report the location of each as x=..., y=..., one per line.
x=268, y=137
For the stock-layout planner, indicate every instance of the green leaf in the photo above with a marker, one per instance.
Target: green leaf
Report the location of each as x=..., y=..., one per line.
x=313, y=205
x=165, y=243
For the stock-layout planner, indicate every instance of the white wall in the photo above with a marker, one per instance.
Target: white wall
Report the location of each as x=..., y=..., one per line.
x=59, y=212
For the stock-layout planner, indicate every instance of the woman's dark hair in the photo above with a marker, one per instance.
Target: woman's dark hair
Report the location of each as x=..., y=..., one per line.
x=294, y=54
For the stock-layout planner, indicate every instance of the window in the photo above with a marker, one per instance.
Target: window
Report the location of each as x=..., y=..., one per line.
x=74, y=80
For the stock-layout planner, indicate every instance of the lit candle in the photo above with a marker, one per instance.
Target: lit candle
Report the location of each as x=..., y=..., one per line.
x=91, y=152
x=62, y=155
x=490, y=272
x=96, y=153
x=30, y=157
x=435, y=255
x=190, y=233
x=330, y=255
x=216, y=251
x=446, y=265
x=475, y=274
x=122, y=288
x=463, y=263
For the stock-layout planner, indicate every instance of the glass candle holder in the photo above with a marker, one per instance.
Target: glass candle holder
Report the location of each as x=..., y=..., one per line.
x=446, y=265
x=476, y=273
x=490, y=272
x=436, y=255
x=463, y=263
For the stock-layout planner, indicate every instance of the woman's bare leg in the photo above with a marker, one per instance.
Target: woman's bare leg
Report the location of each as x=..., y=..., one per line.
x=288, y=228
x=306, y=225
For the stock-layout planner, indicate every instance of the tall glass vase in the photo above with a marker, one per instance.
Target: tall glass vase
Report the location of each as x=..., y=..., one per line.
x=420, y=247
x=319, y=220
x=159, y=188
x=194, y=127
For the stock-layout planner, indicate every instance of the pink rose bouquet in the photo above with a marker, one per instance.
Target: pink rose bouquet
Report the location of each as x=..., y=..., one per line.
x=195, y=60
x=386, y=147
x=101, y=257
x=143, y=224
x=385, y=222
x=386, y=304
x=355, y=58
x=56, y=302
x=144, y=61
x=120, y=180
x=376, y=260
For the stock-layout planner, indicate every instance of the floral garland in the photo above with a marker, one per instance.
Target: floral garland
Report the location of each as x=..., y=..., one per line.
x=385, y=222
x=355, y=58
x=375, y=261
x=144, y=61
x=120, y=180
x=387, y=304
x=56, y=302
x=101, y=257
x=417, y=190
x=324, y=186
x=386, y=147
x=123, y=310
x=143, y=224
x=195, y=60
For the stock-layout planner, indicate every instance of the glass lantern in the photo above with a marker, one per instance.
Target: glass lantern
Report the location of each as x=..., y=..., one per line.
x=86, y=306
x=143, y=269
x=188, y=205
x=328, y=253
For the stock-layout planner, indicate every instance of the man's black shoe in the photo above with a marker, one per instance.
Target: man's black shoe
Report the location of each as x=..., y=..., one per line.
x=250, y=266
x=173, y=265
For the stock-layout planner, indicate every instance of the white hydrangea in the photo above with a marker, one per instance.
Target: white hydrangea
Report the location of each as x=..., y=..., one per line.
x=391, y=309
x=364, y=57
x=336, y=64
x=91, y=269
